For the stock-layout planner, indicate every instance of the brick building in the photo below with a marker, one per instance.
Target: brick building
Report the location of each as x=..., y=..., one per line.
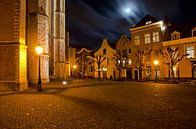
x=104, y=55
x=147, y=36
x=24, y=25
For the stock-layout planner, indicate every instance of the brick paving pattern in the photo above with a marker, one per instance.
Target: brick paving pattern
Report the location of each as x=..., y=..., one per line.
x=105, y=105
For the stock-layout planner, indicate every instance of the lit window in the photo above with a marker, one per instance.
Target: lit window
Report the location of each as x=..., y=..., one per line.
x=147, y=38
x=155, y=37
x=129, y=61
x=190, y=50
x=148, y=22
x=137, y=40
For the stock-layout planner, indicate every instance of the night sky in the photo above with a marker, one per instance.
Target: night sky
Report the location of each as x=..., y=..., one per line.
x=89, y=21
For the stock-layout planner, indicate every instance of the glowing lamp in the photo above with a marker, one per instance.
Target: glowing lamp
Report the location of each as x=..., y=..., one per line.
x=156, y=62
x=39, y=50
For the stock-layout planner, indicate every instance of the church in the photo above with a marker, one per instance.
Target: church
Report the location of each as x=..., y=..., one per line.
x=24, y=25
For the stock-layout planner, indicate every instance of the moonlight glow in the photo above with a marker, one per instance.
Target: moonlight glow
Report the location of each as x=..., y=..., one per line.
x=128, y=10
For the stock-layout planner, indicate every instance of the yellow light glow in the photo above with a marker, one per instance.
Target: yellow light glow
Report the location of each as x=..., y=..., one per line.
x=74, y=66
x=156, y=62
x=39, y=50
x=104, y=69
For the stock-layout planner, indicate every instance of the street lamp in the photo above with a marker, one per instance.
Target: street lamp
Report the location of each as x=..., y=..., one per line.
x=74, y=67
x=156, y=63
x=39, y=51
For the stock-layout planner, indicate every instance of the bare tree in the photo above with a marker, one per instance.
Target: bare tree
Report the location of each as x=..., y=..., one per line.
x=140, y=56
x=172, y=57
x=99, y=59
x=120, y=63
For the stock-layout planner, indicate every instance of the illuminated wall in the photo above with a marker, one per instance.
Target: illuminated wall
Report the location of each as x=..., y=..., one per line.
x=12, y=43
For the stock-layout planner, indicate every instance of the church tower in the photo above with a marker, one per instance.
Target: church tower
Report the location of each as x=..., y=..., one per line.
x=13, y=49
x=24, y=25
x=57, y=45
x=38, y=34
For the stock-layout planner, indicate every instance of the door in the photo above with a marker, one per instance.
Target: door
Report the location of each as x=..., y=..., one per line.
x=136, y=75
x=129, y=74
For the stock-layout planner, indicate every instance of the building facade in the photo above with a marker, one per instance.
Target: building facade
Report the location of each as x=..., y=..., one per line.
x=147, y=36
x=124, y=48
x=104, y=55
x=25, y=25
x=13, y=48
x=84, y=64
x=184, y=40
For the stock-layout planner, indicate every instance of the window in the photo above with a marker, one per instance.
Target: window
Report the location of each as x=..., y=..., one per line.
x=104, y=51
x=147, y=38
x=129, y=61
x=118, y=52
x=194, y=32
x=90, y=68
x=155, y=37
x=129, y=50
x=148, y=22
x=137, y=40
x=175, y=35
x=124, y=53
x=189, y=50
x=123, y=43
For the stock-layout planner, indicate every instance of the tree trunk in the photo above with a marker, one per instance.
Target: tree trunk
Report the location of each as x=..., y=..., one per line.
x=172, y=73
x=140, y=73
x=99, y=73
x=169, y=73
x=119, y=76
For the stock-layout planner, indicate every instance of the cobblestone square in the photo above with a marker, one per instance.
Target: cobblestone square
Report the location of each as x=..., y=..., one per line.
x=100, y=105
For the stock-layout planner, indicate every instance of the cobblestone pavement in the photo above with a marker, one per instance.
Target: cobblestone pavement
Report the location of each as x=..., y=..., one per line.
x=100, y=105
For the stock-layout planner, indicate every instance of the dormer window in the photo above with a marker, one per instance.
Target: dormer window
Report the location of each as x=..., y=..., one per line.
x=175, y=35
x=148, y=22
x=194, y=32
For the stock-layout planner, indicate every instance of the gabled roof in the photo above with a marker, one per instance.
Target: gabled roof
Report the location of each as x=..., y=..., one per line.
x=146, y=19
x=184, y=28
x=123, y=38
x=106, y=43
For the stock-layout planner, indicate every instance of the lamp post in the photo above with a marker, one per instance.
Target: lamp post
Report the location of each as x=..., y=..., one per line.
x=156, y=63
x=74, y=67
x=39, y=51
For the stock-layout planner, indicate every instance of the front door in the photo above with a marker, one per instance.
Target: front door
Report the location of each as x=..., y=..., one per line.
x=136, y=75
x=129, y=74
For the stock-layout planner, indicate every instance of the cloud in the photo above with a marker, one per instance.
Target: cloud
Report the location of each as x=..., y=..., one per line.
x=92, y=20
